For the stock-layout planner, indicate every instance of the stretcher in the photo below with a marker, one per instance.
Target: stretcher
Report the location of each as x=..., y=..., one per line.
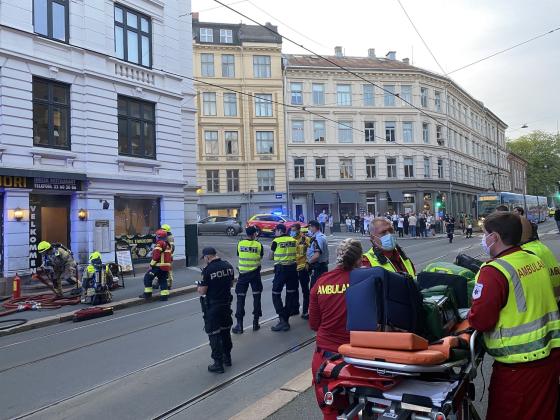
x=392, y=375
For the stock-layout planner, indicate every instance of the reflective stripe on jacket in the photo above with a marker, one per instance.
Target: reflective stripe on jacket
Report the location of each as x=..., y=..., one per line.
x=285, y=252
x=550, y=261
x=249, y=255
x=370, y=255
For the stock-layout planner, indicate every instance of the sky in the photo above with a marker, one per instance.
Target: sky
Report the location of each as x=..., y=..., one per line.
x=521, y=86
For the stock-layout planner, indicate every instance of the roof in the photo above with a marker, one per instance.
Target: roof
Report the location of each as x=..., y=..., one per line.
x=296, y=60
x=240, y=33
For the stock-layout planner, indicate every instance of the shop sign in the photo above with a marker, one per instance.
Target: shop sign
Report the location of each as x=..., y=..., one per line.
x=139, y=245
x=9, y=181
x=278, y=196
x=33, y=238
x=56, y=184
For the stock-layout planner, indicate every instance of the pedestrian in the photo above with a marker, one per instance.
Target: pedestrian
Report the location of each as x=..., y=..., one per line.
x=283, y=252
x=301, y=218
x=514, y=306
x=317, y=253
x=366, y=223
x=412, y=220
x=400, y=226
x=557, y=218
x=323, y=219
x=450, y=229
x=469, y=223
x=331, y=223
x=422, y=226
x=395, y=219
x=57, y=258
x=405, y=225
x=303, y=242
x=357, y=228
x=160, y=265
x=215, y=299
x=348, y=223
x=327, y=316
x=250, y=252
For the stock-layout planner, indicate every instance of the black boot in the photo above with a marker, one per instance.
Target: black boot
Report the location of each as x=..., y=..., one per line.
x=256, y=325
x=227, y=360
x=281, y=326
x=217, y=367
x=145, y=296
x=238, y=329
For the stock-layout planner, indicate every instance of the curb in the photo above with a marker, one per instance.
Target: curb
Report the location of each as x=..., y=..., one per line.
x=123, y=304
x=277, y=399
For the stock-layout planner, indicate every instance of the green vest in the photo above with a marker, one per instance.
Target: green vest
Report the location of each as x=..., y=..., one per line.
x=285, y=252
x=550, y=261
x=249, y=255
x=389, y=265
x=529, y=324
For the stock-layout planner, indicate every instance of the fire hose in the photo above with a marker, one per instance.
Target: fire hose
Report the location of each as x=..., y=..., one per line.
x=36, y=302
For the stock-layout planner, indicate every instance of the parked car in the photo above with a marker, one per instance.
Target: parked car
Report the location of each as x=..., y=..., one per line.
x=219, y=224
x=266, y=223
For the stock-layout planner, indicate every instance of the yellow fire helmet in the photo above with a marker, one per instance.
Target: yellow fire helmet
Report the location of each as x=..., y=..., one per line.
x=166, y=227
x=43, y=246
x=94, y=256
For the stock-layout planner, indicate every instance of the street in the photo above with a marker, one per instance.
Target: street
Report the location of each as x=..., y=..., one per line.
x=150, y=361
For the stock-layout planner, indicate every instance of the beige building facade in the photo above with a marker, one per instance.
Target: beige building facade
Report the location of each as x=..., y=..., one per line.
x=240, y=124
x=518, y=173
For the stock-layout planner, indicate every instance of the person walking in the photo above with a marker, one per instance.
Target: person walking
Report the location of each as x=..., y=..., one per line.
x=317, y=253
x=450, y=227
x=323, y=219
x=469, y=229
x=400, y=226
x=412, y=220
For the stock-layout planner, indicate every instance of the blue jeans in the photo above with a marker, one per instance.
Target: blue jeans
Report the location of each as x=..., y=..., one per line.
x=558, y=225
x=412, y=231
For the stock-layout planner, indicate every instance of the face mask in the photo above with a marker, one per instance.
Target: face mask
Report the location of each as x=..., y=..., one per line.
x=485, y=246
x=293, y=234
x=388, y=242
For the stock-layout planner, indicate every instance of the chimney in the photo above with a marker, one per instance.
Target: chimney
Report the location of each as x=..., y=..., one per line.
x=406, y=61
x=391, y=55
x=371, y=52
x=338, y=51
x=194, y=16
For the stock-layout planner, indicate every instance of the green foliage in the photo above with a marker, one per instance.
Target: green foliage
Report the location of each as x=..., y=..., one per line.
x=542, y=151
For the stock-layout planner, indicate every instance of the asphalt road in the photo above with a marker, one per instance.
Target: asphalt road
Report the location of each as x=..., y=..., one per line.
x=145, y=360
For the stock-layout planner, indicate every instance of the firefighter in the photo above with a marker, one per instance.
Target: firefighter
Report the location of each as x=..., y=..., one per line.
x=285, y=274
x=250, y=253
x=62, y=263
x=95, y=278
x=385, y=252
x=515, y=308
x=215, y=299
x=160, y=265
x=303, y=242
x=171, y=242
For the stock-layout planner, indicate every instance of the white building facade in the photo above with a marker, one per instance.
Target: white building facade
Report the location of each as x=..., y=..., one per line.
x=357, y=148
x=96, y=126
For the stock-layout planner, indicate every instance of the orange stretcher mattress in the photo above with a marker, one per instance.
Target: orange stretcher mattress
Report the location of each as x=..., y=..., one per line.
x=388, y=340
x=420, y=357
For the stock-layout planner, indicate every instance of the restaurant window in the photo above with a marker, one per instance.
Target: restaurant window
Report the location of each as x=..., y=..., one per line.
x=51, y=114
x=136, y=216
x=136, y=128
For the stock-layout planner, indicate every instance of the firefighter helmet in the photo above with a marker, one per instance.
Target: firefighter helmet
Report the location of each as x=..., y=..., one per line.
x=161, y=234
x=43, y=246
x=95, y=255
x=166, y=227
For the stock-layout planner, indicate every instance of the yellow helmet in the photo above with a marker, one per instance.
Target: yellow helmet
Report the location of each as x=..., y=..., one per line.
x=90, y=269
x=43, y=246
x=166, y=227
x=94, y=255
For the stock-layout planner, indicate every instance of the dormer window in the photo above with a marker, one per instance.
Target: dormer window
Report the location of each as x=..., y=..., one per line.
x=206, y=35
x=226, y=36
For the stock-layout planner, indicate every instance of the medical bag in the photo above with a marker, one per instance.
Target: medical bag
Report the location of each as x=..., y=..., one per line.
x=448, y=268
x=468, y=262
x=440, y=311
x=458, y=284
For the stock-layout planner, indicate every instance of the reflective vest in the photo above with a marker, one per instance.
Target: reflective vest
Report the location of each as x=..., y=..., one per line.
x=285, y=252
x=550, y=261
x=529, y=324
x=161, y=256
x=370, y=255
x=301, y=250
x=249, y=255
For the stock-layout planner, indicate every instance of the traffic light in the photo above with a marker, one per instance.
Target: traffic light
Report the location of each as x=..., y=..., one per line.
x=439, y=201
x=438, y=204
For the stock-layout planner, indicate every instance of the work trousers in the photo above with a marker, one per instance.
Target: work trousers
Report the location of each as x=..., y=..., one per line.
x=217, y=324
x=161, y=275
x=303, y=279
x=317, y=270
x=330, y=412
x=252, y=278
x=284, y=275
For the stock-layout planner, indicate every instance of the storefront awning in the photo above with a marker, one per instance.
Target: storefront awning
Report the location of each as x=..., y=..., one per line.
x=30, y=173
x=323, y=197
x=349, y=196
x=396, y=196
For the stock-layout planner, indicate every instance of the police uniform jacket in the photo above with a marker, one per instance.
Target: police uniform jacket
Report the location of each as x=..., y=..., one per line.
x=218, y=276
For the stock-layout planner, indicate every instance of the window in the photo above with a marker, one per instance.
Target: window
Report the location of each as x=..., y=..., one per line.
x=406, y=94
x=343, y=95
x=265, y=179
x=407, y=132
x=232, y=142
x=136, y=216
x=369, y=99
x=263, y=105
x=207, y=65
x=230, y=104
x=226, y=36
x=320, y=168
x=297, y=131
x=319, y=131
x=206, y=35
x=136, y=128
x=296, y=93
x=369, y=129
x=408, y=167
x=211, y=143
x=391, y=167
x=390, y=131
x=424, y=97
x=318, y=93
x=261, y=66
x=50, y=18
x=345, y=131
x=437, y=101
x=439, y=135
x=427, y=170
x=389, y=99
x=299, y=168
x=228, y=65
x=213, y=180
x=425, y=133
x=370, y=168
x=346, y=169
x=51, y=114
x=440, y=168
x=232, y=179
x=133, y=36
x=208, y=103
x=265, y=142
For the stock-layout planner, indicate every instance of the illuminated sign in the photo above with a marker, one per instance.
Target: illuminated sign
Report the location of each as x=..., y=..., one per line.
x=488, y=198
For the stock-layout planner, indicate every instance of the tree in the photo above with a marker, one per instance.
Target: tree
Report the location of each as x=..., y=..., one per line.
x=542, y=152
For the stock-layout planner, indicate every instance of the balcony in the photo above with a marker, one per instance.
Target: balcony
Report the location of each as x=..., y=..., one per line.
x=134, y=73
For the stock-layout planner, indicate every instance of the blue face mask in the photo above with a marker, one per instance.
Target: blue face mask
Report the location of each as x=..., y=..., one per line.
x=388, y=242
x=293, y=233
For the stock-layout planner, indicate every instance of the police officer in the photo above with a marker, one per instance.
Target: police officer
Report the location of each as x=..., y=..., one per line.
x=215, y=299
x=171, y=242
x=250, y=253
x=514, y=306
x=283, y=253
x=160, y=265
x=317, y=252
x=61, y=261
x=303, y=242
